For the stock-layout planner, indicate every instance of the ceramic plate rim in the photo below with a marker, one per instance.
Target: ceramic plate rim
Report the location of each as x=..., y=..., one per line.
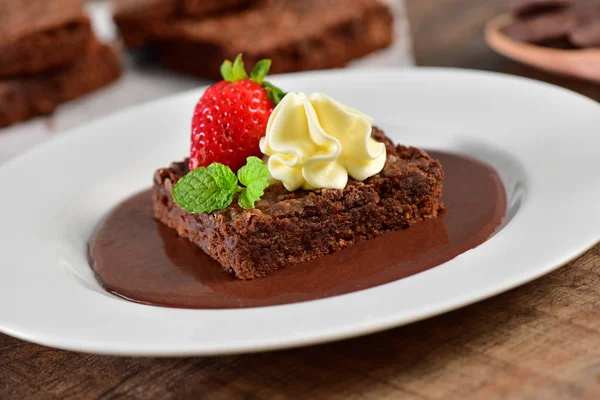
x=184, y=334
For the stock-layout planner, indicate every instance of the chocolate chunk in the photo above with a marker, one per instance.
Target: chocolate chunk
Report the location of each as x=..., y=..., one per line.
x=587, y=31
x=525, y=8
x=562, y=43
x=543, y=27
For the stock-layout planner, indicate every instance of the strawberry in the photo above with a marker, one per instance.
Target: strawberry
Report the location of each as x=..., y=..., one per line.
x=231, y=116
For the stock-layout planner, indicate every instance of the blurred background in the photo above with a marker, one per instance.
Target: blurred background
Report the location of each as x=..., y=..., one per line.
x=66, y=62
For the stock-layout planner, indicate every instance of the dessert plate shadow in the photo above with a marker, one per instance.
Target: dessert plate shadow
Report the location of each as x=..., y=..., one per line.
x=542, y=139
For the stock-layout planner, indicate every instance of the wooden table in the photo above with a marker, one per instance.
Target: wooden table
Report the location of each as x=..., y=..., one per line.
x=540, y=341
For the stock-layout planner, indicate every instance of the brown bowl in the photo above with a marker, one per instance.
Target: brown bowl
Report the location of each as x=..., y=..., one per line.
x=584, y=63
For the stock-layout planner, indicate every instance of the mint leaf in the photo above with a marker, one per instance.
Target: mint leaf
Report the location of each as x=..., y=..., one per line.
x=255, y=176
x=214, y=187
x=252, y=193
x=223, y=175
x=206, y=189
x=254, y=170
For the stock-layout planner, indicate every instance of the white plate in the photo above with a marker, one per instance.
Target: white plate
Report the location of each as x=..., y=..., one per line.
x=543, y=140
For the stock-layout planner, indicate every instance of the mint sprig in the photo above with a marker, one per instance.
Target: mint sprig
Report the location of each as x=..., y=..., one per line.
x=206, y=189
x=255, y=176
x=212, y=188
x=254, y=171
x=235, y=71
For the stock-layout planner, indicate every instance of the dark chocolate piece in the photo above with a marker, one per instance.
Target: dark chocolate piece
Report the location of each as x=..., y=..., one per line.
x=286, y=228
x=562, y=43
x=525, y=8
x=587, y=32
x=543, y=27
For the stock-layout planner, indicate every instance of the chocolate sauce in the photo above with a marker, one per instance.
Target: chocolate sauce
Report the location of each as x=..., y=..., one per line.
x=139, y=259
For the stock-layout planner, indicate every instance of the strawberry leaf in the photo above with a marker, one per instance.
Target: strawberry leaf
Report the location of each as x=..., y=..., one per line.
x=239, y=72
x=273, y=92
x=227, y=70
x=260, y=71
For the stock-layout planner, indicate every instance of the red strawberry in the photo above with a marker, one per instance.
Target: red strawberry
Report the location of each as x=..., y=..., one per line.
x=231, y=116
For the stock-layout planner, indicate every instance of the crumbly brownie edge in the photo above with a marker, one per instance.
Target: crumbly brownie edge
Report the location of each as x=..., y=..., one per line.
x=25, y=98
x=200, y=8
x=45, y=50
x=254, y=244
x=137, y=20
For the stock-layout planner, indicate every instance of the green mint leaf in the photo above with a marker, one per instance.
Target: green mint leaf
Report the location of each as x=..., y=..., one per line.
x=227, y=70
x=255, y=170
x=260, y=71
x=239, y=72
x=223, y=175
x=206, y=189
x=252, y=193
x=255, y=176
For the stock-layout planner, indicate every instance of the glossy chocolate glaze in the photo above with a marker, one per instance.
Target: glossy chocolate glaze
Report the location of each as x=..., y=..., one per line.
x=137, y=258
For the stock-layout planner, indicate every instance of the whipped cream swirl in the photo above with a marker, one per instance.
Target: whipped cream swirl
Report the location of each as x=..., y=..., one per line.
x=316, y=142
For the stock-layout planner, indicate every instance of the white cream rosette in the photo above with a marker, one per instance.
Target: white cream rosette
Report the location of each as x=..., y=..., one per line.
x=315, y=142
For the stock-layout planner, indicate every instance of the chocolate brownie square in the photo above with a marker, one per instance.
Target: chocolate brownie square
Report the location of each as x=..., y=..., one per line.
x=139, y=20
x=37, y=35
x=295, y=35
x=289, y=228
x=26, y=97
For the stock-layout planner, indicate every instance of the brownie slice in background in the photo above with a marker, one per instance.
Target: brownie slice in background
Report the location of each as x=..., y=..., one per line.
x=139, y=20
x=37, y=35
x=286, y=229
x=25, y=97
x=295, y=35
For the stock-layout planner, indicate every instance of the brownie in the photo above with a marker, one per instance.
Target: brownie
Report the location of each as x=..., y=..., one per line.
x=26, y=97
x=139, y=20
x=295, y=35
x=37, y=35
x=289, y=228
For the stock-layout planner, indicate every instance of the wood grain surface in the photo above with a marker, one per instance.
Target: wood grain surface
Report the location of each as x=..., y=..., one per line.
x=539, y=341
